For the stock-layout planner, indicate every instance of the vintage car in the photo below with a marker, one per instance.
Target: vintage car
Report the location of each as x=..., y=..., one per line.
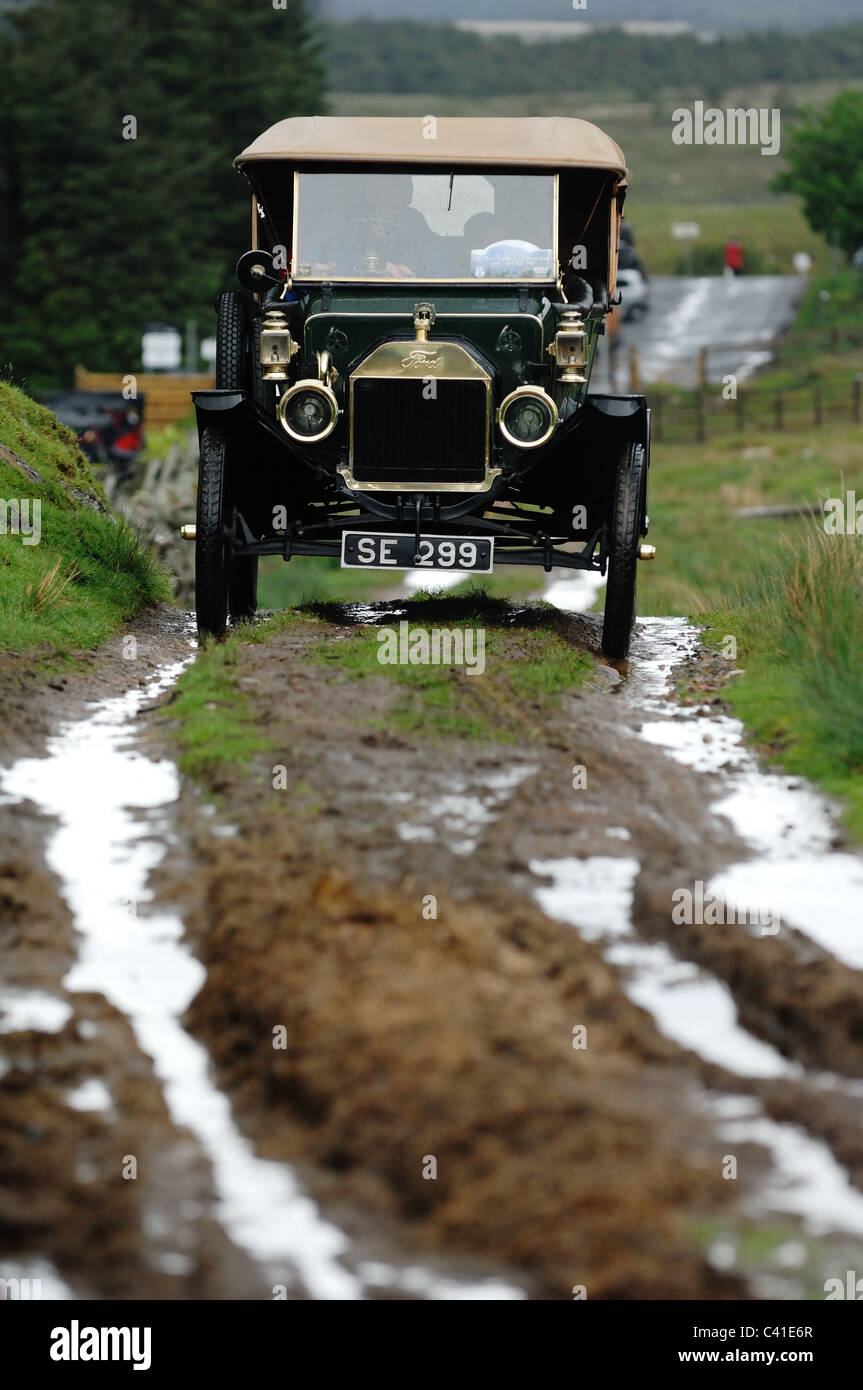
x=402, y=381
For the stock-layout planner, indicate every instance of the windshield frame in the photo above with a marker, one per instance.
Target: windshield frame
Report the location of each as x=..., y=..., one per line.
x=392, y=280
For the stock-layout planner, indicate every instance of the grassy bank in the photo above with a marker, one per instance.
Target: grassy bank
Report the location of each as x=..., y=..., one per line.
x=71, y=573
x=799, y=629
x=787, y=591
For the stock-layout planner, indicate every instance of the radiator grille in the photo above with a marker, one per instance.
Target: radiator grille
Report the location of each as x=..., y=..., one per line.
x=400, y=436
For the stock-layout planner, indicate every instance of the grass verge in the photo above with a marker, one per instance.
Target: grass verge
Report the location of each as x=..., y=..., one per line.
x=214, y=721
x=516, y=665
x=788, y=592
x=799, y=629
x=71, y=573
x=528, y=667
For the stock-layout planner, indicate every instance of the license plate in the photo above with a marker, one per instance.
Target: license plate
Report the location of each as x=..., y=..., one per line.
x=382, y=550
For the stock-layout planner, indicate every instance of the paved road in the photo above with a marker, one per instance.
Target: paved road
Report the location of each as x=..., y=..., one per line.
x=736, y=319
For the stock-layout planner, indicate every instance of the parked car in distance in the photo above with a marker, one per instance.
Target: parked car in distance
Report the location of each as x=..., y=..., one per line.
x=634, y=294
x=631, y=279
x=109, y=427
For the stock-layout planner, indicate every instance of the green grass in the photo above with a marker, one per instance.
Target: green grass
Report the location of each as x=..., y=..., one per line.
x=771, y=230
x=759, y=1246
x=703, y=548
x=529, y=666
x=214, y=721
x=158, y=442
x=88, y=574
x=799, y=629
x=789, y=593
x=508, y=581
x=306, y=578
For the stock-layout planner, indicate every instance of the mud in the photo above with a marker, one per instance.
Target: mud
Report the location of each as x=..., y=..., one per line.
x=378, y=918
x=77, y=1102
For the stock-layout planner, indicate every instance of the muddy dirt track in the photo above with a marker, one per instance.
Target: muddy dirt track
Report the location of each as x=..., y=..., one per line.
x=412, y=1018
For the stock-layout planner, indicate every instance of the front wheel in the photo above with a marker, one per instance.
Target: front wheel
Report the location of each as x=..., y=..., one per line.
x=627, y=526
x=223, y=585
x=243, y=587
x=211, y=548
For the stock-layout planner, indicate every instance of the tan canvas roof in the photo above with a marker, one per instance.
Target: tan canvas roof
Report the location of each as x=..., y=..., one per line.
x=556, y=141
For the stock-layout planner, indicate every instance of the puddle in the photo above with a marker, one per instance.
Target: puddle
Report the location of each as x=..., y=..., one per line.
x=25, y=1009
x=694, y=1009
x=593, y=894
x=576, y=591
x=791, y=830
x=796, y=875
x=31, y=1280
x=459, y=816
x=699, y=1013
x=106, y=797
x=806, y=1180
x=90, y=1095
x=434, y=581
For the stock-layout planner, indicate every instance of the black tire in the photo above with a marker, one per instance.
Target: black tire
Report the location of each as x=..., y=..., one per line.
x=238, y=347
x=243, y=588
x=232, y=372
x=211, y=551
x=627, y=526
x=237, y=369
x=222, y=586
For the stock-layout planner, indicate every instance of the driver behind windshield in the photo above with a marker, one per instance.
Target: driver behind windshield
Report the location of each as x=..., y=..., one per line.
x=364, y=225
x=367, y=225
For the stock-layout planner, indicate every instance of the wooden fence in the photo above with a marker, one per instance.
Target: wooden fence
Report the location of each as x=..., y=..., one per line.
x=706, y=413
x=710, y=409
x=167, y=398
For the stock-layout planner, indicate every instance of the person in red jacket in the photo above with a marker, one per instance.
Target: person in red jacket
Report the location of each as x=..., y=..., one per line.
x=733, y=257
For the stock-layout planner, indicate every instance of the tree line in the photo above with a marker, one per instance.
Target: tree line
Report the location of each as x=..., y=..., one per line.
x=119, y=206
x=405, y=56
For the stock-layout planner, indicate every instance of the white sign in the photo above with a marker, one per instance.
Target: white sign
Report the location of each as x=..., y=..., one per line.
x=685, y=231
x=208, y=350
x=161, y=350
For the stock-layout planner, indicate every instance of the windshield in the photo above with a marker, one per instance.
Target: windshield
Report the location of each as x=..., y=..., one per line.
x=458, y=226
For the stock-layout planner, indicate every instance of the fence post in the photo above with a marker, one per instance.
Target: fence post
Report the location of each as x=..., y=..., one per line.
x=700, y=434
x=633, y=368
x=701, y=371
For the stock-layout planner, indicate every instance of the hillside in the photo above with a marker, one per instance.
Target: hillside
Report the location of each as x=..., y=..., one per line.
x=723, y=15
